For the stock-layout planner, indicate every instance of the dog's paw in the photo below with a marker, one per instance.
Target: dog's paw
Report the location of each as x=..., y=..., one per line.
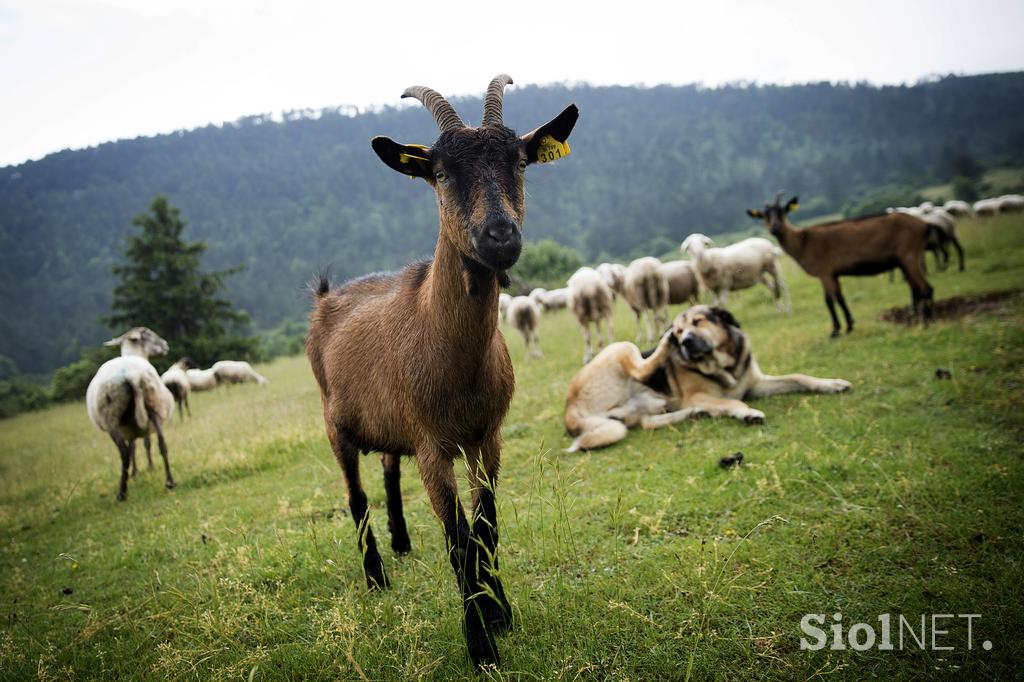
x=837, y=385
x=753, y=417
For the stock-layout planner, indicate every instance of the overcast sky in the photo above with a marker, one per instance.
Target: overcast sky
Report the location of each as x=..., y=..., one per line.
x=79, y=72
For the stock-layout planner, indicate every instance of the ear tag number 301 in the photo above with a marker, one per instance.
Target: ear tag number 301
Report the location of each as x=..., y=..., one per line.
x=551, y=149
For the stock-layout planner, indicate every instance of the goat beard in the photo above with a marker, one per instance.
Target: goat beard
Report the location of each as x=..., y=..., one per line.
x=473, y=271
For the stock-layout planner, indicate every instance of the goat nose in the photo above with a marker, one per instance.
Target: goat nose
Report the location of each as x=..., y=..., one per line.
x=501, y=230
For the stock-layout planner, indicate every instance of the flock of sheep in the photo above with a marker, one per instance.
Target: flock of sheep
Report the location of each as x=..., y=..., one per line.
x=648, y=286
x=128, y=400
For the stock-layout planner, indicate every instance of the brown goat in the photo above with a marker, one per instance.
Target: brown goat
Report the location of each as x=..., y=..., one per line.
x=858, y=246
x=413, y=363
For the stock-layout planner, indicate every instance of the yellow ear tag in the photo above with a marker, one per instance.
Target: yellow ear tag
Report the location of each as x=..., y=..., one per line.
x=795, y=207
x=551, y=149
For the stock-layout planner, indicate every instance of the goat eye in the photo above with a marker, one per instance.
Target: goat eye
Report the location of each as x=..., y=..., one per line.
x=522, y=164
x=440, y=176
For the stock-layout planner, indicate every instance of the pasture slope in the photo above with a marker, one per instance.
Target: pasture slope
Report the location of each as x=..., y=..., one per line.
x=643, y=561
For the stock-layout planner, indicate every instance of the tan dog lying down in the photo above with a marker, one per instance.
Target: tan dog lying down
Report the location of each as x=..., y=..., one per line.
x=702, y=366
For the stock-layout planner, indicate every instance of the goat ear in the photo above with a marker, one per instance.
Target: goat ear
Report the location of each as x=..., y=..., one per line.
x=410, y=159
x=754, y=213
x=557, y=129
x=792, y=205
x=726, y=317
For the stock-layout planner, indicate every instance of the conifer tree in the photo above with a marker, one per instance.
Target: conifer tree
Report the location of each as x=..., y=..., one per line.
x=162, y=287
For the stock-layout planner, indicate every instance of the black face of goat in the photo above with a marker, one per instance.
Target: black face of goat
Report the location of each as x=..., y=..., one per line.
x=775, y=213
x=478, y=174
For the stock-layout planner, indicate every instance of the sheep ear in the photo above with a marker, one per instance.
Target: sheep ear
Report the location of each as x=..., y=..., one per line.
x=558, y=130
x=792, y=205
x=114, y=341
x=754, y=213
x=410, y=159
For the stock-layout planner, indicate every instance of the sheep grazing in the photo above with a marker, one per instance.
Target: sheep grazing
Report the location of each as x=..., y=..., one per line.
x=737, y=266
x=943, y=234
x=127, y=400
x=413, y=362
x=957, y=208
x=646, y=291
x=176, y=381
x=683, y=284
x=538, y=295
x=591, y=299
x=858, y=246
x=556, y=299
x=1011, y=203
x=236, y=372
x=524, y=315
x=201, y=379
x=987, y=207
x=614, y=276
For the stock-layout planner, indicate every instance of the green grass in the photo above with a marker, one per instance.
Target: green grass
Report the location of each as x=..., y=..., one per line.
x=642, y=561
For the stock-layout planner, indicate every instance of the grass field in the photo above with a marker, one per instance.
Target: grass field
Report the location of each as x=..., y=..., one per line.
x=642, y=561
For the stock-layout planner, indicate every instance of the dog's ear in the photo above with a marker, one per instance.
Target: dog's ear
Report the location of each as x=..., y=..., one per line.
x=726, y=317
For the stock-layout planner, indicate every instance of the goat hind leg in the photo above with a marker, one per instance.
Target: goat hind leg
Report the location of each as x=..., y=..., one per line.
x=393, y=488
x=347, y=455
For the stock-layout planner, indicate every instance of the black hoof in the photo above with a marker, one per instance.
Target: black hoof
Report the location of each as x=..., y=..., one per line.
x=121, y=497
x=377, y=579
x=170, y=485
x=483, y=650
x=401, y=545
x=849, y=330
x=835, y=333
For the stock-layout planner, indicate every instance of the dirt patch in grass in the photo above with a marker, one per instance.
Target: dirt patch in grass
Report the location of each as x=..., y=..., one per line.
x=994, y=302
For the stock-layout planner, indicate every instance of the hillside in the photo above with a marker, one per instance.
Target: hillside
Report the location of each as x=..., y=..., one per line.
x=648, y=165
x=643, y=561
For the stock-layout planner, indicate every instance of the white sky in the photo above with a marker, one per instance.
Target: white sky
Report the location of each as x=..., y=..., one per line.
x=79, y=72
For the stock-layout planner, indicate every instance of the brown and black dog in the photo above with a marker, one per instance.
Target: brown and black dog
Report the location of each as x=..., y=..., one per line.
x=703, y=365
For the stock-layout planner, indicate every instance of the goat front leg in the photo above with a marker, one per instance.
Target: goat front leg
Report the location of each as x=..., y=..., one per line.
x=483, y=473
x=347, y=455
x=463, y=551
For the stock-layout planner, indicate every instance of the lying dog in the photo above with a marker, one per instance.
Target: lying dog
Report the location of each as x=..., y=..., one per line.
x=702, y=366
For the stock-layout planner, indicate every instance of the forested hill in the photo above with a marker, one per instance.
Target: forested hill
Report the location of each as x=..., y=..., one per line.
x=647, y=167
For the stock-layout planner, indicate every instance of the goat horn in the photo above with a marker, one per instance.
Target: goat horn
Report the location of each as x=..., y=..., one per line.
x=492, y=100
x=778, y=196
x=437, y=105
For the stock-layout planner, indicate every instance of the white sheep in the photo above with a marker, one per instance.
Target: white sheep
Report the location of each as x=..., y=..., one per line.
x=236, y=372
x=614, y=276
x=1011, y=203
x=538, y=295
x=201, y=379
x=503, y=301
x=987, y=207
x=944, y=221
x=737, y=266
x=556, y=299
x=127, y=400
x=524, y=314
x=646, y=291
x=590, y=300
x=177, y=383
x=683, y=285
x=957, y=207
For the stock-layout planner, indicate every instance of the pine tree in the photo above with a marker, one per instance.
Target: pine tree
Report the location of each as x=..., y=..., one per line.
x=162, y=287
